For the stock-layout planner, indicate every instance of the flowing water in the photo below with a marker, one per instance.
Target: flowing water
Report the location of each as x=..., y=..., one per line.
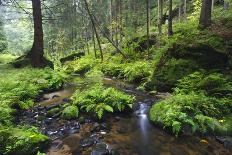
x=130, y=134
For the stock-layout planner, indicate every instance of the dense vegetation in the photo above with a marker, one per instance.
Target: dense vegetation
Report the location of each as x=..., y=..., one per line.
x=193, y=63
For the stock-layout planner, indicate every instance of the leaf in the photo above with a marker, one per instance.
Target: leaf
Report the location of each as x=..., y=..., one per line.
x=108, y=108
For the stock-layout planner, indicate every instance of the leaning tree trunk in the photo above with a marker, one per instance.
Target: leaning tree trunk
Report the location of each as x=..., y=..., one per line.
x=36, y=53
x=205, y=17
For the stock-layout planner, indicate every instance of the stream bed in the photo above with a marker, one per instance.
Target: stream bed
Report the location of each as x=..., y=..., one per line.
x=122, y=134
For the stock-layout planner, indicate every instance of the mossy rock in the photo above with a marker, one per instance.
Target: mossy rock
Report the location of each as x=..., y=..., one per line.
x=141, y=43
x=70, y=112
x=53, y=111
x=72, y=57
x=165, y=78
x=181, y=60
x=204, y=55
x=21, y=141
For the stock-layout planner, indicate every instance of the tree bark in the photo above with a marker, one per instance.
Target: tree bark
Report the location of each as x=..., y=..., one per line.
x=160, y=15
x=170, y=31
x=36, y=53
x=94, y=27
x=205, y=17
x=148, y=26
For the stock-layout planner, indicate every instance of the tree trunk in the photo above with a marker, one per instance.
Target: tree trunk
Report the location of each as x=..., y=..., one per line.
x=148, y=26
x=170, y=31
x=160, y=15
x=205, y=17
x=94, y=45
x=185, y=9
x=36, y=53
x=94, y=27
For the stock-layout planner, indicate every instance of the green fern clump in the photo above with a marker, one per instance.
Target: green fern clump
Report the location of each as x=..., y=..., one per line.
x=194, y=111
x=137, y=71
x=82, y=65
x=99, y=100
x=70, y=112
x=21, y=141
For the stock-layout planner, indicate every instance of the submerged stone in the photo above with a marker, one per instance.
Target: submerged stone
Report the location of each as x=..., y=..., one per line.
x=100, y=149
x=86, y=142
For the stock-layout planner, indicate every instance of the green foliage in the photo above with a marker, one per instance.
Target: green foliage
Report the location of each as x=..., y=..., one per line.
x=99, y=100
x=53, y=111
x=214, y=84
x=70, y=112
x=82, y=65
x=6, y=58
x=21, y=141
x=196, y=111
x=137, y=71
x=19, y=87
x=166, y=76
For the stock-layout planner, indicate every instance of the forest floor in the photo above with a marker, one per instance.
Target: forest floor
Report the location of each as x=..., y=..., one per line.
x=185, y=89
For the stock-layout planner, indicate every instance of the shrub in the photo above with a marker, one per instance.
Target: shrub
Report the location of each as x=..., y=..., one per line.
x=99, y=100
x=196, y=111
x=137, y=71
x=82, y=65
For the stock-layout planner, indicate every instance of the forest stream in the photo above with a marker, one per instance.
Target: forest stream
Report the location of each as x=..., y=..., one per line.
x=120, y=134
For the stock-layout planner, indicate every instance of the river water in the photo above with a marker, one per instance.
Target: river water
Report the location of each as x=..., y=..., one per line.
x=127, y=134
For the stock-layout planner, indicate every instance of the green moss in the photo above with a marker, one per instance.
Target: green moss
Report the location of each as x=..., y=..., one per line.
x=70, y=112
x=213, y=84
x=6, y=58
x=166, y=76
x=21, y=141
x=53, y=111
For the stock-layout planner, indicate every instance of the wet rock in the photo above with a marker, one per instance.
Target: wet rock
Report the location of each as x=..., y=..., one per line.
x=52, y=107
x=100, y=149
x=117, y=118
x=226, y=141
x=100, y=127
x=86, y=142
x=67, y=100
x=114, y=152
x=48, y=121
x=57, y=144
x=55, y=96
x=95, y=128
x=81, y=120
x=136, y=106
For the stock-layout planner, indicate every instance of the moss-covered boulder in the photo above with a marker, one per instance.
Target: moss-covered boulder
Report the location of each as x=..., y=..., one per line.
x=181, y=60
x=21, y=141
x=72, y=57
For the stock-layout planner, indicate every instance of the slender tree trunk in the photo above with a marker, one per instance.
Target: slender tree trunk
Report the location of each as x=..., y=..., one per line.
x=36, y=53
x=205, y=17
x=94, y=45
x=212, y=8
x=86, y=39
x=160, y=15
x=185, y=9
x=170, y=31
x=95, y=30
x=148, y=26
